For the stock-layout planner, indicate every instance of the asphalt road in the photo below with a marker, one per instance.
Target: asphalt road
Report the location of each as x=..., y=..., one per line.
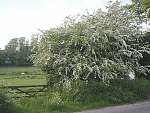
x=142, y=107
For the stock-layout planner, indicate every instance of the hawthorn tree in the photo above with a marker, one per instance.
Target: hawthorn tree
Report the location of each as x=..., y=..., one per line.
x=99, y=46
x=141, y=7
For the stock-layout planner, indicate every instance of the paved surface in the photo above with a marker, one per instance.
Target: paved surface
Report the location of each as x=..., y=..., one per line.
x=143, y=107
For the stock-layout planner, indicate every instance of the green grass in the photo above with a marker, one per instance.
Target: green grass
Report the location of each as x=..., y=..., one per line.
x=44, y=105
x=18, y=76
x=22, y=82
x=18, y=70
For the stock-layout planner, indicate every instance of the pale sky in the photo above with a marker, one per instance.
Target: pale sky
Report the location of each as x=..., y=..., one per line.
x=22, y=18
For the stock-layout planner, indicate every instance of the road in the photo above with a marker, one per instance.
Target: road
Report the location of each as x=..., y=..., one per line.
x=142, y=107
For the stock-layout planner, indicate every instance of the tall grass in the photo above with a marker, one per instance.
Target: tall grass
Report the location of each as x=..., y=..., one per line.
x=6, y=105
x=92, y=95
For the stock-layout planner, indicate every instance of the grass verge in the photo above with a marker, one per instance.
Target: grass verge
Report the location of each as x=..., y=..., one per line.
x=89, y=96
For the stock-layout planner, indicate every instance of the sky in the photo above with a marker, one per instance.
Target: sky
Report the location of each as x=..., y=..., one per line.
x=22, y=18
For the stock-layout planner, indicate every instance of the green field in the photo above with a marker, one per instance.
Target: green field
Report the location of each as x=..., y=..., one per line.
x=19, y=70
x=20, y=76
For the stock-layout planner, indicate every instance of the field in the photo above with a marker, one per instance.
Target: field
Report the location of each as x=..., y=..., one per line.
x=21, y=76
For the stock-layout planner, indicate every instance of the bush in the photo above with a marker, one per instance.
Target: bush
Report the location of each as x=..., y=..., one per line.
x=118, y=91
x=139, y=87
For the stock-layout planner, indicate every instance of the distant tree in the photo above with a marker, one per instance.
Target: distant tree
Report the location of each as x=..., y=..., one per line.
x=34, y=42
x=23, y=52
x=2, y=57
x=11, y=50
x=18, y=51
